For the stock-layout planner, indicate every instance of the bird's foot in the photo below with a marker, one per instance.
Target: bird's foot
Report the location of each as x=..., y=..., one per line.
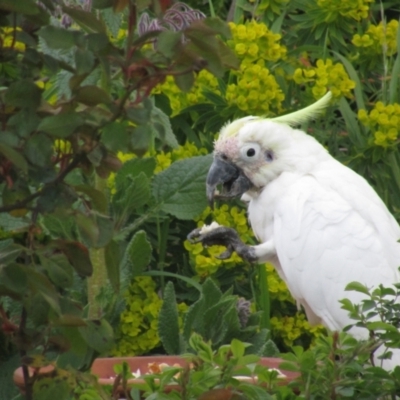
x=223, y=236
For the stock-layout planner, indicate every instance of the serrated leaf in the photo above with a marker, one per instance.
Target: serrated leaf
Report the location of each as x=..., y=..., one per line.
x=168, y=326
x=61, y=125
x=139, y=251
x=133, y=168
x=113, y=258
x=162, y=127
x=134, y=194
x=181, y=188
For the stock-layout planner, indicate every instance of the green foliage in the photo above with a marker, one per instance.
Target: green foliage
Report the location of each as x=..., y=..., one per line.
x=339, y=366
x=217, y=317
x=71, y=97
x=224, y=373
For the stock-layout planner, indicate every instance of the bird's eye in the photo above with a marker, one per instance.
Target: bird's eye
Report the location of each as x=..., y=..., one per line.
x=269, y=156
x=250, y=151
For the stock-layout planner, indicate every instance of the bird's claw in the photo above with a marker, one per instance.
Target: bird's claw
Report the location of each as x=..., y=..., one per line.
x=223, y=236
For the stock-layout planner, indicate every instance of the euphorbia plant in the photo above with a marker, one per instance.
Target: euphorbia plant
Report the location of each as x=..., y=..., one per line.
x=56, y=148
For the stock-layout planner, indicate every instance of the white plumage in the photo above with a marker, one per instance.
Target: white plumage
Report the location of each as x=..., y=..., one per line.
x=321, y=224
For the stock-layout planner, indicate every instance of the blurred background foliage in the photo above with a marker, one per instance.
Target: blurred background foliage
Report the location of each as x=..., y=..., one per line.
x=109, y=109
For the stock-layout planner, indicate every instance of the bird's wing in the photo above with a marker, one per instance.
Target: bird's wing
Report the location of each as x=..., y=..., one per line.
x=323, y=242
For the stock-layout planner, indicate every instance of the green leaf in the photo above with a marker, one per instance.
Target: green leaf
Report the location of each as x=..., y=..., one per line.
x=86, y=20
x=139, y=251
x=58, y=269
x=15, y=157
x=61, y=125
x=134, y=194
x=140, y=113
x=13, y=280
x=23, y=93
x=78, y=256
x=113, y=258
x=96, y=229
x=97, y=198
x=180, y=189
x=84, y=61
x=357, y=287
x=39, y=149
x=28, y=7
x=59, y=225
x=91, y=95
x=98, y=335
x=162, y=127
x=133, y=168
x=218, y=26
x=47, y=388
x=59, y=38
x=168, y=326
x=9, y=251
x=381, y=326
x=189, y=281
x=24, y=122
x=115, y=137
x=353, y=127
x=184, y=81
x=39, y=283
x=168, y=43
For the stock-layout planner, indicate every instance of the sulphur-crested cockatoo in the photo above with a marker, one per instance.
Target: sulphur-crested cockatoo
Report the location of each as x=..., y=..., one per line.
x=320, y=223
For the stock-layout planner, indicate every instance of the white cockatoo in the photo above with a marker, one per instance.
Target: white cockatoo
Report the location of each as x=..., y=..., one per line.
x=320, y=223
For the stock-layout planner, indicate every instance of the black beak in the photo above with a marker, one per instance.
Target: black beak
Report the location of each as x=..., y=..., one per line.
x=234, y=182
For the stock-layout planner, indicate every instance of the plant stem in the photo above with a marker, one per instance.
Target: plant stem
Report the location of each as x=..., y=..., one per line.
x=99, y=277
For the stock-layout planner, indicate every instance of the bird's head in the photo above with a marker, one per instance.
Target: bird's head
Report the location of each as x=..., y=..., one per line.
x=252, y=151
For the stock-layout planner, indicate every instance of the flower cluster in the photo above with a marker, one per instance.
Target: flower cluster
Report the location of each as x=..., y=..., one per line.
x=137, y=331
x=276, y=286
x=335, y=9
x=253, y=87
x=8, y=39
x=384, y=121
x=292, y=328
x=324, y=75
x=256, y=90
x=204, y=259
x=253, y=41
x=379, y=39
